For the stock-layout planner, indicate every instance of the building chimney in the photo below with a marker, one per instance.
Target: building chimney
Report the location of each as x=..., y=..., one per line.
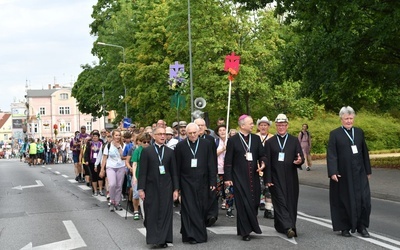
x=49, y=86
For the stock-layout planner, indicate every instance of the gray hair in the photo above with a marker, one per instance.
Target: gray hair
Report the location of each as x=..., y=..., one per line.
x=346, y=111
x=192, y=124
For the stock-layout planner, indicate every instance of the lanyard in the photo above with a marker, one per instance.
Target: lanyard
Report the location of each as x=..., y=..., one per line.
x=158, y=154
x=350, y=137
x=279, y=142
x=195, y=151
x=244, y=142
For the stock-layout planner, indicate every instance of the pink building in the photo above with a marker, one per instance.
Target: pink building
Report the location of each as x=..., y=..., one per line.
x=56, y=106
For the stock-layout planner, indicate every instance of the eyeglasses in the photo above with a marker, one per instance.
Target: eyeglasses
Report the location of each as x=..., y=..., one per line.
x=191, y=133
x=162, y=134
x=103, y=132
x=146, y=142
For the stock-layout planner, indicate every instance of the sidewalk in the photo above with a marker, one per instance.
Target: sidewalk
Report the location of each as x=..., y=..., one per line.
x=384, y=183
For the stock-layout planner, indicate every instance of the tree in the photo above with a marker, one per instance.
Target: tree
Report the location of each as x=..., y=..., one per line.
x=347, y=53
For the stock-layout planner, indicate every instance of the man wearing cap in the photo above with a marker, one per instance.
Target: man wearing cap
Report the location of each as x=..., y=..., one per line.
x=263, y=125
x=182, y=131
x=170, y=141
x=212, y=215
x=243, y=151
x=284, y=156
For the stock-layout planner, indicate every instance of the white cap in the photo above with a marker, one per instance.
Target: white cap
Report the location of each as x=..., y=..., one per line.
x=263, y=119
x=169, y=131
x=281, y=118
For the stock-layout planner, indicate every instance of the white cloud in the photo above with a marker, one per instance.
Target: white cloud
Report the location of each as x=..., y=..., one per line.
x=42, y=40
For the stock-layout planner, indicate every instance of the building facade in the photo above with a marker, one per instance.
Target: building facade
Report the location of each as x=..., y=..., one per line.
x=53, y=113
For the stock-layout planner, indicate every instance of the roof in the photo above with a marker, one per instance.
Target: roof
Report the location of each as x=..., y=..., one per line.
x=43, y=92
x=3, y=118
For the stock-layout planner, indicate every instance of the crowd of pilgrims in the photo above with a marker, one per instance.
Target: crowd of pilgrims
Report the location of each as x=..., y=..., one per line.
x=156, y=168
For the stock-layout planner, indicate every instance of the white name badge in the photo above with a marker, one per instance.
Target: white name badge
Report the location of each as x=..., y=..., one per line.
x=194, y=163
x=162, y=169
x=249, y=156
x=94, y=155
x=281, y=156
x=354, y=149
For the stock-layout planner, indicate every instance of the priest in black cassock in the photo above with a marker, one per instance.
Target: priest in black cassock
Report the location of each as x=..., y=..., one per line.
x=158, y=186
x=243, y=151
x=212, y=210
x=197, y=171
x=284, y=156
x=349, y=170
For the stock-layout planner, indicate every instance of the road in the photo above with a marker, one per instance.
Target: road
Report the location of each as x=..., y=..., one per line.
x=44, y=208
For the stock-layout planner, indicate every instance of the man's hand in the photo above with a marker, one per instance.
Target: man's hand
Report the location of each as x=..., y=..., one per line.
x=175, y=195
x=298, y=160
x=270, y=184
x=335, y=177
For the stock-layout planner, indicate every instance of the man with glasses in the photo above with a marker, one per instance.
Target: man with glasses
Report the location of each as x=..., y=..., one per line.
x=284, y=156
x=158, y=186
x=196, y=165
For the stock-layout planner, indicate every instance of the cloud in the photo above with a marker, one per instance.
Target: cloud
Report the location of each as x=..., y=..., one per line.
x=42, y=42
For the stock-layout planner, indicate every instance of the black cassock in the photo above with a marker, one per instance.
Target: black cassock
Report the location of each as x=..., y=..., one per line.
x=246, y=181
x=158, y=187
x=195, y=184
x=350, y=198
x=212, y=194
x=283, y=174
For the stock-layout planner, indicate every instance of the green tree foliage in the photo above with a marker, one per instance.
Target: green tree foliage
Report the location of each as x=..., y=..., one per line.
x=347, y=53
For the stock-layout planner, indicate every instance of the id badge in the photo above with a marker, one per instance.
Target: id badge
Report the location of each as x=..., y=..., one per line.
x=94, y=155
x=162, y=169
x=194, y=163
x=249, y=156
x=354, y=149
x=281, y=156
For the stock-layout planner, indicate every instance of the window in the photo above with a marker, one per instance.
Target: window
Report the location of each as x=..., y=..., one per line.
x=42, y=111
x=35, y=128
x=63, y=96
x=65, y=127
x=5, y=137
x=89, y=126
x=64, y=110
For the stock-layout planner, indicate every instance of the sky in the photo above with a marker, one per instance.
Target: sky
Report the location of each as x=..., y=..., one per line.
x=42, y=42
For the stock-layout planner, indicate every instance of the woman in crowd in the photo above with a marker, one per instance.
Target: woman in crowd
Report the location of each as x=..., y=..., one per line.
x=91, y=154
x=114, y=165
x=225, y=194
x=143, y=142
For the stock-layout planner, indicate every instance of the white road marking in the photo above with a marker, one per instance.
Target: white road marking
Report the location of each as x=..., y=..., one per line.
x=39, y=184
x=49, y=168
x=56, y=172
x=328, y=224
x=65, y=176
x=74, y=242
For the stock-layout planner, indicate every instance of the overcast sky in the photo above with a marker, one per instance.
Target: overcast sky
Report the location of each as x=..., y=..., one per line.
x=42, y=42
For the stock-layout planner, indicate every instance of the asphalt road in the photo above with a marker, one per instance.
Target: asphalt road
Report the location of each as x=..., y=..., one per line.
x=42, y=208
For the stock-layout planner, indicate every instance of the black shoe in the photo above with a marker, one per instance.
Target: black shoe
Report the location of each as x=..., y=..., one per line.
x=364, y=233
x=211, y=221
x=192, y=241
x=229, y=213
x=262, y=206
x=290, y=233
x=268, y=214
x=246, y=238
x=346, y=233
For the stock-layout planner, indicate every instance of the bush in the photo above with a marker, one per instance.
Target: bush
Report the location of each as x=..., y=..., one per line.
x=382, y=132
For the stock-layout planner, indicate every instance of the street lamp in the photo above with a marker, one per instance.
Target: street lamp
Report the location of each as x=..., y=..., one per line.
x=123, y=59
x=190, y=62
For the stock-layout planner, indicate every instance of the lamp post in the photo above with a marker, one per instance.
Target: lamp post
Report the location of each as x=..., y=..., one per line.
x=123, y=60
x=190, y=62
